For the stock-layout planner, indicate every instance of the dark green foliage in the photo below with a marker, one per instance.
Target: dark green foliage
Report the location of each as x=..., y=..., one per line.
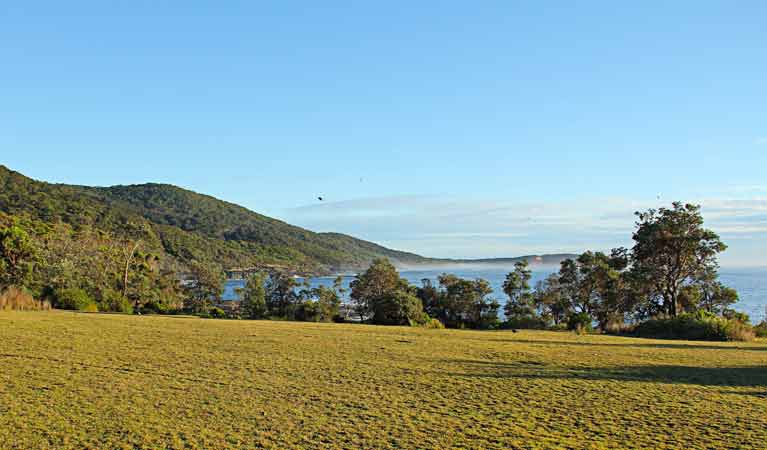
x=397, y=308
x=761, y=329
x=519, y=306
x=114, y=301
x=737, y=316
x=671, y=269
x=322, y=305
x=698, y=326
x=205, y=287
x=16, y=253
x=282, y=300
x=550, y=303
x=526, y=322
x=186, y=226
x=460, y=303
x=579, y=321
x=74, y=298
x=253, y=297
x=382, y=297
x=671, y=250
x=215, y=313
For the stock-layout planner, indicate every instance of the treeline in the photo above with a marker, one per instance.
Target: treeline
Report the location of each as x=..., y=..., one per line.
x=666, y=285
x=84, y=268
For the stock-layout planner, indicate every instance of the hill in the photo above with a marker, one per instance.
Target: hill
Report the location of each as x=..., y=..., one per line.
x=186, y=226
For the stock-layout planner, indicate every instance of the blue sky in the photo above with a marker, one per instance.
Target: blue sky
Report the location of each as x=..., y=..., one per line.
x=466, y=129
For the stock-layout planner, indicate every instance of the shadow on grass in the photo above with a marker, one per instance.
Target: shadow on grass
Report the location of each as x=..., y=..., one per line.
x=659, y=345
x=747, y=376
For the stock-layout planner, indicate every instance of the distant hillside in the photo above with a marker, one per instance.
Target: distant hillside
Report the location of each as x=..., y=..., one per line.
x=185, y=226
x=540, y=260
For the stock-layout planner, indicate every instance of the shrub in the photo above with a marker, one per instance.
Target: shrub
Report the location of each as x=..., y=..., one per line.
x=580, y=322
x=736, y=330
x=112, y=300
x=761, y=329
x=430, y=323
x=701, y=326
x=13, y=298
x=731, y=314
x=526, y=323
x=217, y=313
x=75, y=299
x=153, y=306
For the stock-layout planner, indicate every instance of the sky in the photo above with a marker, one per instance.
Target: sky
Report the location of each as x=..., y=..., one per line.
x=451, y=129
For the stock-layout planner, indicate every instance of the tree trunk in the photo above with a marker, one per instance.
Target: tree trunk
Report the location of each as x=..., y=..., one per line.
x=127, y=268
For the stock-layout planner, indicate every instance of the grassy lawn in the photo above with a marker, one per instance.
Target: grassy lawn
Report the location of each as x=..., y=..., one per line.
x=71, y=381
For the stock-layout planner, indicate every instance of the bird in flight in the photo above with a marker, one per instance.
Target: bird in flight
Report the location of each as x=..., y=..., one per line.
x=320, y=198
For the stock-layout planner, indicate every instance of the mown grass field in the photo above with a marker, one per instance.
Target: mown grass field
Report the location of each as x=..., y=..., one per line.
x=71, y=381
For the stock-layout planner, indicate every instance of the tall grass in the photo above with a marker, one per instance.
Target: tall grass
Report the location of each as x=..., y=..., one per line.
x=13, y=298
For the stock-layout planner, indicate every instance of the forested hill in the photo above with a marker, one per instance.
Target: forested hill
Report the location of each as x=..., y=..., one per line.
x=185, y=226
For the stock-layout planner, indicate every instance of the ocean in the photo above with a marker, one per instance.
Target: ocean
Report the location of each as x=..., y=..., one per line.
x=751, y=284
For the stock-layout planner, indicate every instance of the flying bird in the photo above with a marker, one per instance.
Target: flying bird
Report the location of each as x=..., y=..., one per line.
x=320, y=198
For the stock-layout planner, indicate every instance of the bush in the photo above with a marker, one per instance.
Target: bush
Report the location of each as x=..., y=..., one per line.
x=217, y=313
x=731, y=314
x=580, y=322
x=114, y=301
x=761, y=329
x=739, y=331
x=154, y=307
x=75, y=299
x=525, y=323
x=13, y=298
x=429, y=323
x=699, y=326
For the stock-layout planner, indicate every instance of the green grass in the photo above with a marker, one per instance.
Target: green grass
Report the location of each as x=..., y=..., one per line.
x=71, y=381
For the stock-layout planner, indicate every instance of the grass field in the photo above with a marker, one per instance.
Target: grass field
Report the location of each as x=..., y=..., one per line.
x=71, y=381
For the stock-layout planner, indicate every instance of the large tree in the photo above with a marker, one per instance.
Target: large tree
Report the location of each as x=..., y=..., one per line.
x=16, y=251
x=671, y=250
x=381, y=296
x=206, y=286
x=253, y=297
x=464, y=303
x=517, y=288
x=281, y=296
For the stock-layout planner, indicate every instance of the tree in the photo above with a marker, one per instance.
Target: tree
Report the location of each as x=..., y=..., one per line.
x=281, y=296
x=206, y=286
x=400, y=307
x=517, y=288
x=381, y=296
x=430, y=298
x=707, y=293
x=328, y=302
x=463, y=303
x=319, y=304
x=550, y=304
x=672, y=249
x=253, y=297
x=16, y=252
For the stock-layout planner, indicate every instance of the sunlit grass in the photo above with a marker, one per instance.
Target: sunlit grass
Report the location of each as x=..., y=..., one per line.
x=70, y=381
